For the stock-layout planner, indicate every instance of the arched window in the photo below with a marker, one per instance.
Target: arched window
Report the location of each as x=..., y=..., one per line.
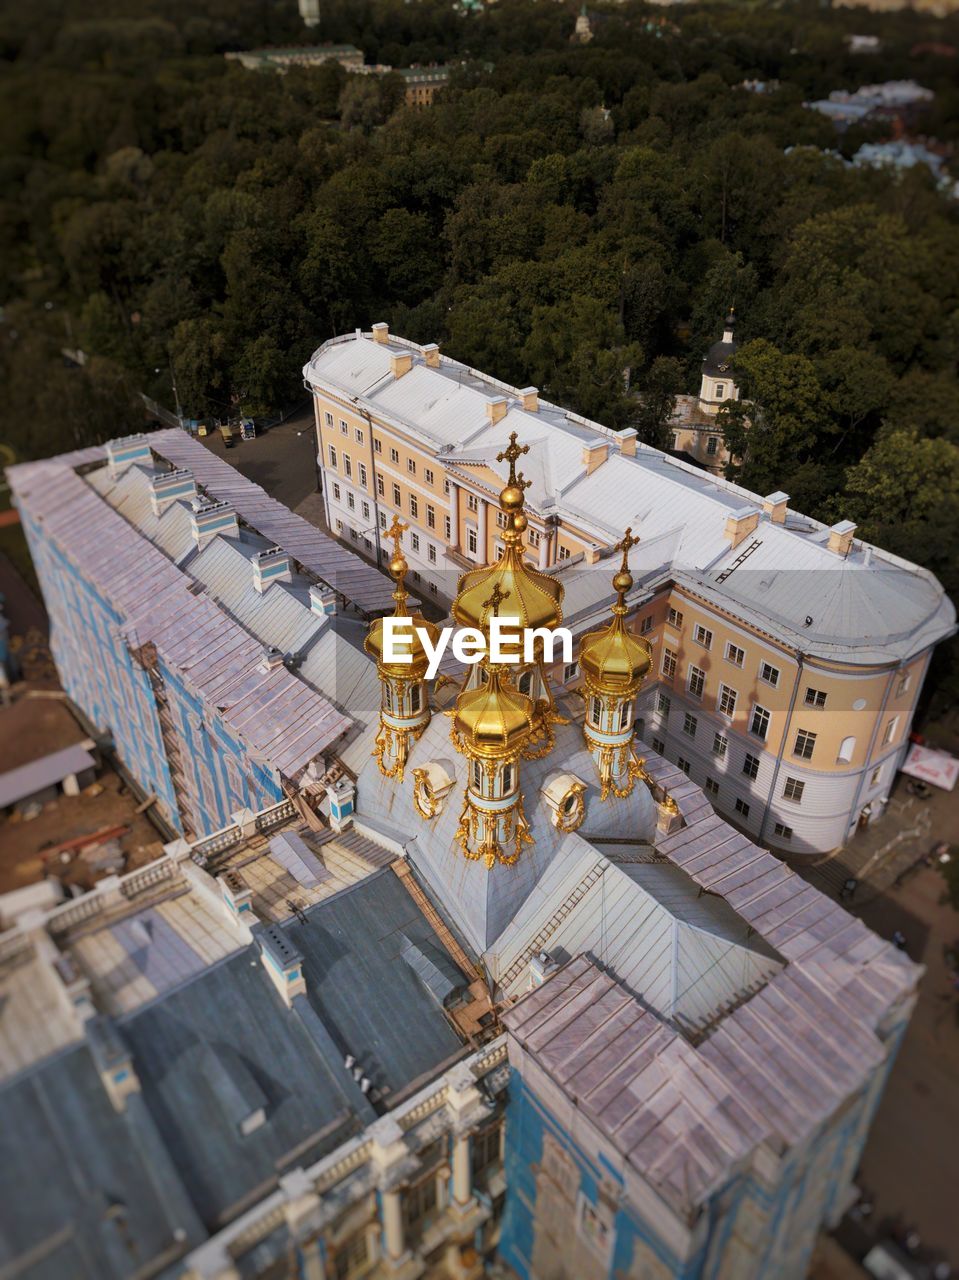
x=846, y=749
x=416, y=698
x=525, y=682
x=595, y=712
x=507, y=779
x=476, y=774
x=625, y=712
x=387, y=697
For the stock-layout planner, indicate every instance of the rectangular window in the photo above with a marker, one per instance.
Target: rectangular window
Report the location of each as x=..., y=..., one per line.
x=446, y=486
x=363, y=475
x=683, y=764
x=428, y=475
x=646, y=625
x=397, y=497
x=344, y=427
x=890, y=731
x=769, y=674
x=533, y=536
x=905, y=680
x=448, y=527
x=720, y=743
x=793, y=789
x=329, y=419
x=570, y=672
x=411, y=466
x=430, y=517
x=703, y=636
x=815, y=698
x=727, y=700
x=471, y=541
x=414, y=506
x=431, y=553
x=358, y=435
x=658, y=745
x=382, y=519
x=415, y=541
x=485, y=1148
x=711, y=445
x=501, y=519
x=669, y=663
x=712, y=786
x=350, y=1257
x=751, y=765
x=564, y=553
x=336, y=492
x=332, y=456
x=366, y=511
x=347, y=466
x=377, y=445
x=805, y=744
x=735, y=655
x=759, y=724
x=689, y=724
x=472, y=502
x=781, y=830
x=394, y=455
x=695, y=680
x=742, y=808
x=351, y=502
x=380, y=487
x=876, y=775
x=675, y=618
x=662, y=705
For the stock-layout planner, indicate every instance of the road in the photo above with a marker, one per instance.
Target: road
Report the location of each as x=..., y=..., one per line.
x=282, y=460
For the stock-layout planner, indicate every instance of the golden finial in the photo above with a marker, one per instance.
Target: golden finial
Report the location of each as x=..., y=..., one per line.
x=398, y=566
x=511, y=454
x=497, y=596
x=623, y=580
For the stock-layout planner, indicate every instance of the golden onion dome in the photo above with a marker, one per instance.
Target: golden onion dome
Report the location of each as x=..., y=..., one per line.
x=494, y=719
x=533, y=597
x=374, y=644
x=614, y=661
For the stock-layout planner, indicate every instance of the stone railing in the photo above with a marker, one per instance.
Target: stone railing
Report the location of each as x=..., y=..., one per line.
x=13, y=944
x=267, y=819
x=225, y=838
x=146, y=877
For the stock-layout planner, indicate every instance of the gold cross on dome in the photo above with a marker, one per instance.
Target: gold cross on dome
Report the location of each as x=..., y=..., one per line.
x=396, y=531
x=497, y=596
x=510, y=454
x=626, y=546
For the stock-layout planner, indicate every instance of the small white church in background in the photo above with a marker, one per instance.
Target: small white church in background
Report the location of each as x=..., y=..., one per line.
x=693, y=424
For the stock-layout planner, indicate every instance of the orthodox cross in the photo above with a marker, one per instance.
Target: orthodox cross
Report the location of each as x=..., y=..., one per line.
x=497, y=596
x=626, y=546
x=396, y=531
x=511, y=454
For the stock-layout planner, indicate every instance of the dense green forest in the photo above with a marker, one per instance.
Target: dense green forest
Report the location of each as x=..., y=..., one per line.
x=563, y=214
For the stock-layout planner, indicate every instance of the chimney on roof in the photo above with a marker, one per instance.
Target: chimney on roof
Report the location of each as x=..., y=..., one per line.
x=529, y=398
x=381, y=332
x=400, y=362
x=281, y=960
x=496, y=408
x=591, y=555
x=272, y=659
x=431, y=354
x=841, y=536
x=174, y=486
x=210, y=518
x=113, y=1061
x=341, y=795
x=740, y=524
x=595, y=453
x=774, y=506
x=127, y=450
x=322, y=600
x=238, y=896
x=627, y=442
x=272, y=565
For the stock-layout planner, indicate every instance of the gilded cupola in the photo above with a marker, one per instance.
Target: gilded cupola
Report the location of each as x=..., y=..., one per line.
x=493, y=720
x=614, y=663
x=404, y=705
x=535, y=598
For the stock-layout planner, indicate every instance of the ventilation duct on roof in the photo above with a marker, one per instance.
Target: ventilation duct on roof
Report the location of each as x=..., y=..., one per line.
x=295, y=856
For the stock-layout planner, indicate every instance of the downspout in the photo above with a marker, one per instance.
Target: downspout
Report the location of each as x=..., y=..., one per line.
x=375, y=492
x=782, y=745
x=872, y=746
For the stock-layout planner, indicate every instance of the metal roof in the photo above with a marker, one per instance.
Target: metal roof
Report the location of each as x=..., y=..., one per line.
x=19, y=784
x=322, y=555
x=283, y=719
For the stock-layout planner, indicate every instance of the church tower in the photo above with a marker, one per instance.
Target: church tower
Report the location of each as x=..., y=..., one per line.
x=404, y=704
x=614, y=663
x=511, y=588
x=717, y=382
